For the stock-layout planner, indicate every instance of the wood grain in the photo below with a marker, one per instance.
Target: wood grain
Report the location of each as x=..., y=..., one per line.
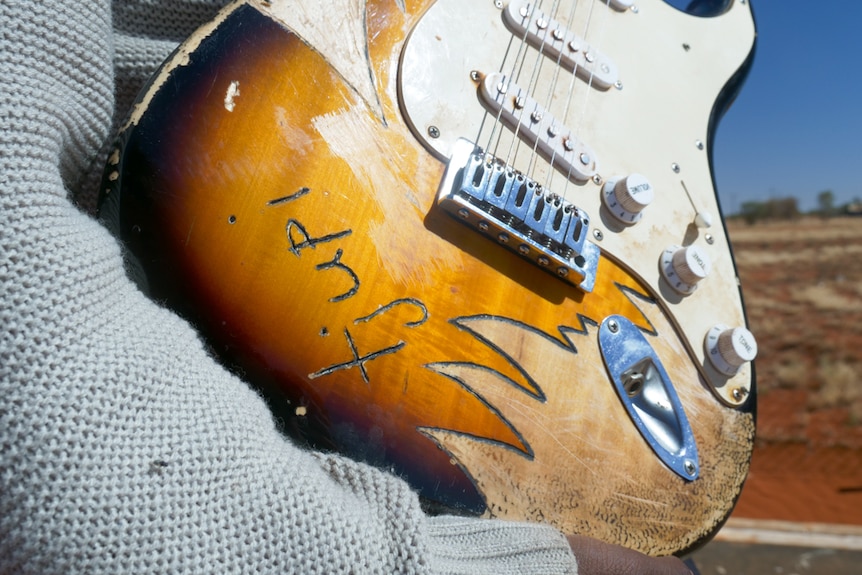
x=295, y=228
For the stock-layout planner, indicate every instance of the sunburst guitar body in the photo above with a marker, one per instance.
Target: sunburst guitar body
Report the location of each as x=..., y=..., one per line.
x=476, y=243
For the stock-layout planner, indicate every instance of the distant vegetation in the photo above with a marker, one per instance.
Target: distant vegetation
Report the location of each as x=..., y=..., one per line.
x=788, y=209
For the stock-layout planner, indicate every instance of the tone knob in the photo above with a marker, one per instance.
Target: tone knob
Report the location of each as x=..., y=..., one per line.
x=728, y=349
x=626, y=198
x=684, y=267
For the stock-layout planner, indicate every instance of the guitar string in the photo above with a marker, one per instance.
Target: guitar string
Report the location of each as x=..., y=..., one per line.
x=576, y=131
x=565, y=117
x=551, y=91
x=530, y=88
x=550, y=88
x=496, y=129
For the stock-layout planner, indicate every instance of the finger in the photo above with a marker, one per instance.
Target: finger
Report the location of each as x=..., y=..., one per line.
x=599, y=558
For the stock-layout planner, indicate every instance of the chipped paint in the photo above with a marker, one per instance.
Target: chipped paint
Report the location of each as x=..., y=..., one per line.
x=180, y=58
x=231, y=96
x=353, y=135
x=340, y=37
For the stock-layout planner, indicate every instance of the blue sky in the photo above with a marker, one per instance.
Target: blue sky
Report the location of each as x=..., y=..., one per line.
x=796, y=127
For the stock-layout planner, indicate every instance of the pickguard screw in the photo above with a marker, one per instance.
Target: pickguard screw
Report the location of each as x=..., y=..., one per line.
x=618, y=85
x=434, y=131
x=597, y=180
x=635, y=9
x=709, y=239
x=598, y=235
x=690, y=468
x=613, y=326
x=699, y=144
x=475, y=76
x=675, y=167
x=739, y=393
x=498, y=3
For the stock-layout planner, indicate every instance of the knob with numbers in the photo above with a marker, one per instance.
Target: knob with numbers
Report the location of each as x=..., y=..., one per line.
x=626, y=198
x=728, y=349
x=684, y=267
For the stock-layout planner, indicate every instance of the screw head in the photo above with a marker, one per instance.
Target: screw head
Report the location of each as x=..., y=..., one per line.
x=613, y=326
x=690, y=467
x=434, y=131
x=598, y=235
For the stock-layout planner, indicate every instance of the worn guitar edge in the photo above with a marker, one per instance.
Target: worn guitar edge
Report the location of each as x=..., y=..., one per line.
x=363, y=86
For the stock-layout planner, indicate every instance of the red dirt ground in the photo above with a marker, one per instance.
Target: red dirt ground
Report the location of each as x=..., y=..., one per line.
x=802, y=283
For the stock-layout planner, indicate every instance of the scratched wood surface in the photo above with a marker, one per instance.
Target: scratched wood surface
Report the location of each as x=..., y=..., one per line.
x=284, y=206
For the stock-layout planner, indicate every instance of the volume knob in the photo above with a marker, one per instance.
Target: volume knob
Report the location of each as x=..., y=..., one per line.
x=625, y=198
x=684, y=267
x=728, y=349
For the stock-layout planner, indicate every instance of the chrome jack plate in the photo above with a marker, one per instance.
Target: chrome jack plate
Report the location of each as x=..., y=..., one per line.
x=648, y=395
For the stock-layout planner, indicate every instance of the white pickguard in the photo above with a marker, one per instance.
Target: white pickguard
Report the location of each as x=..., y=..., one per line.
x=672, y=67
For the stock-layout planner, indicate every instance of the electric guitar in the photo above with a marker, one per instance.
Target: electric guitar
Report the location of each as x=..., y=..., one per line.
x=474, y=242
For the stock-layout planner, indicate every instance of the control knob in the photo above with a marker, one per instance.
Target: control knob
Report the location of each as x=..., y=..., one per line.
x=625, y=198
x=684, y=267
x=728, y=349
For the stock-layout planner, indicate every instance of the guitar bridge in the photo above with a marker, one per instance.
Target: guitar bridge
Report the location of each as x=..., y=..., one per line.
x=519, y=214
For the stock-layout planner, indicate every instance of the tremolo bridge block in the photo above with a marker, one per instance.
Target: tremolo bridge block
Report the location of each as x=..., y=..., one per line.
x=519, y=214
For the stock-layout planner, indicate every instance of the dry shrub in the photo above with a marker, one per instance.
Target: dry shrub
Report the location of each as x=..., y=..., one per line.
x=824, y=297
x=840, y=387
x=791, y=374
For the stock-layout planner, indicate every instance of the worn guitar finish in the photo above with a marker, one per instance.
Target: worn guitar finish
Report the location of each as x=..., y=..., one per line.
x=272, y=187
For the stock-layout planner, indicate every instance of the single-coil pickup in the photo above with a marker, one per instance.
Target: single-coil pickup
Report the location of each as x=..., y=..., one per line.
x=556, y=42
x=535, y=125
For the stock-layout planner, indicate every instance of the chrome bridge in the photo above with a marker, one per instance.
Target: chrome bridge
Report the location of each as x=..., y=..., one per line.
x=519, y=214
